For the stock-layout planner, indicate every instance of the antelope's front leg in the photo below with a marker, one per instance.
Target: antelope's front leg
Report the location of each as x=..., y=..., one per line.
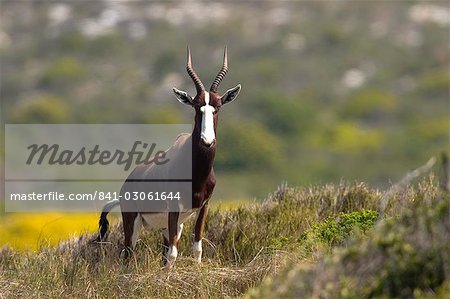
x=199, y=227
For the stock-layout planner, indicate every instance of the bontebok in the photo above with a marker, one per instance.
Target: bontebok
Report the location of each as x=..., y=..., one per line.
x=203, y=143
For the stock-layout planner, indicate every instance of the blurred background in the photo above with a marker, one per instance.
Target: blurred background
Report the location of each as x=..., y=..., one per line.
x=331, y=90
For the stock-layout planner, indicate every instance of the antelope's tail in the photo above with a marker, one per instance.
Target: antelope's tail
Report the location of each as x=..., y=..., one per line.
x=103, y=223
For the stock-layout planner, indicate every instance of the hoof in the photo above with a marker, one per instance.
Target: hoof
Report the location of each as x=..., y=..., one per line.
x=125, y=253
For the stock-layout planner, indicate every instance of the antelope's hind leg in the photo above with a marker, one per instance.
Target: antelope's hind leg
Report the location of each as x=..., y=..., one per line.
x=132, y=222
x=165, y=249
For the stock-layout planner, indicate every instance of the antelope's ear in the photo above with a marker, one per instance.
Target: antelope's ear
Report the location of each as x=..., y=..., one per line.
x=231, y=94
x=183, y=97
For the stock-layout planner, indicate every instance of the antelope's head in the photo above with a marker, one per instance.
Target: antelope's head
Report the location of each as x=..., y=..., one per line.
x=207, y=104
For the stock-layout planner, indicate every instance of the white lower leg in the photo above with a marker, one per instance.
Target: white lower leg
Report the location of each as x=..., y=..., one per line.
x=173, y=251
x=198, y=251
x=172, y=254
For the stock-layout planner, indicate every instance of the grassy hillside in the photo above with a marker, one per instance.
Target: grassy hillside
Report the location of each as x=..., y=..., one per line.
x=293, y=238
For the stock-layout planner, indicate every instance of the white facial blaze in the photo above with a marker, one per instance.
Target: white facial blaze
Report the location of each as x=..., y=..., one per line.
x=208, y=136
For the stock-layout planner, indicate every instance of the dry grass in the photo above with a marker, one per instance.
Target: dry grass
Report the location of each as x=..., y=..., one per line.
x=243, y=247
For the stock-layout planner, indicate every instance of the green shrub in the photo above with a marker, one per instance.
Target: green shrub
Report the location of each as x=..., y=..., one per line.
x=63, y=71
x=370, y=105
x=349, y=137
x=334, y=231
x=284, y=116
x=42, y=109
x=435, y=83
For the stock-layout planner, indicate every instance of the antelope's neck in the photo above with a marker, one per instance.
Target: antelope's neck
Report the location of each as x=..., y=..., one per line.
x=202, y=157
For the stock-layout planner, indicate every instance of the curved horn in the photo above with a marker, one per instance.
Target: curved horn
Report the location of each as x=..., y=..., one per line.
x=198, y=83
x=223, y=71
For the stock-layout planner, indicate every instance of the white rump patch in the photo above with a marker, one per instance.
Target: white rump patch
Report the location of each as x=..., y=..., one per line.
x=207, y=134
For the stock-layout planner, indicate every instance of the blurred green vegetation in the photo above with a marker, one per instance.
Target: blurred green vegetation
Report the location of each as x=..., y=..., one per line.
x=247, y=146
x=42, y=109
x=330, y=90
x=64, y=70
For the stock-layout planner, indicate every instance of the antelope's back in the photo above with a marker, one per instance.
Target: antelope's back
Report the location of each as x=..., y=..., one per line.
x=145, y=184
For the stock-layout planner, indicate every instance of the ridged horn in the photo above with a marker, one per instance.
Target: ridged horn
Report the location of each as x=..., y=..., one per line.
x=195, y=78
x=223, y=71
